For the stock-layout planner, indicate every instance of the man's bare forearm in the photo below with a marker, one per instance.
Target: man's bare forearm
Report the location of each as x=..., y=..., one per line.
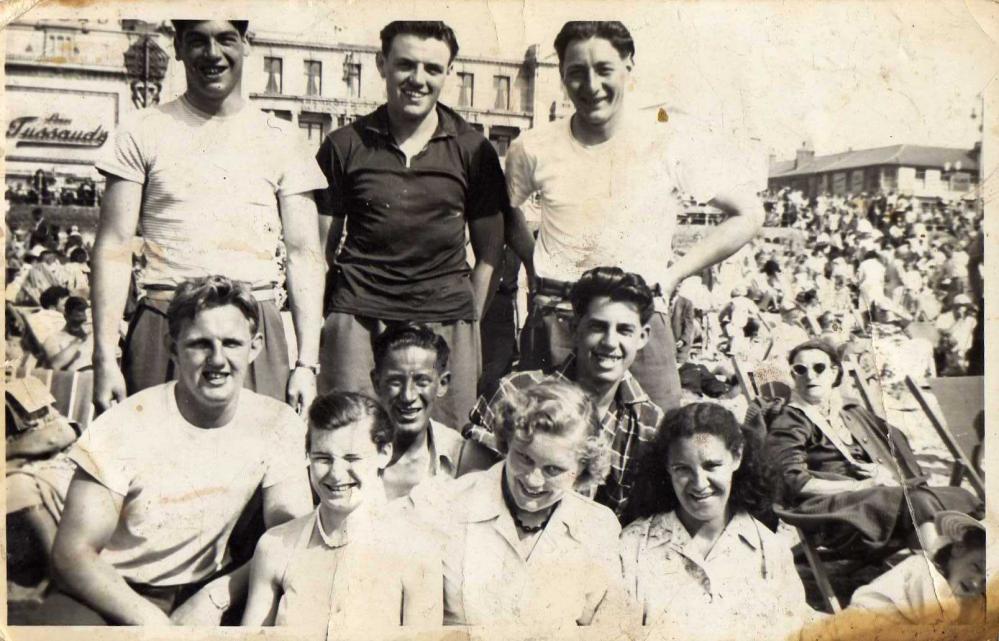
x=86, y=577
x=112, y=270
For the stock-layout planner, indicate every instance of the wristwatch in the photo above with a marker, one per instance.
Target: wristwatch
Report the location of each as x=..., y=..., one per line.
x=314, y=368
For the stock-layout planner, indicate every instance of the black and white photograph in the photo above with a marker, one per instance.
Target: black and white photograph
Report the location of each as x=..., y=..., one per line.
x=499, y=319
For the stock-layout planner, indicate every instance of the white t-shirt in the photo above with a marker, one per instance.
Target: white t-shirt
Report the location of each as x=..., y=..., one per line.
x=211, y=184
x=184, y=487
x=616, y=203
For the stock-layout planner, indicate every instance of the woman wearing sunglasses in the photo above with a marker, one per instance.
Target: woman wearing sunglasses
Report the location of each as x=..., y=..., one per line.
x=849, y=478
x=699, y=551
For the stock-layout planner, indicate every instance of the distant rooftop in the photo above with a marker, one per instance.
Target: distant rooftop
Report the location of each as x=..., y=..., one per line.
x=899, y=155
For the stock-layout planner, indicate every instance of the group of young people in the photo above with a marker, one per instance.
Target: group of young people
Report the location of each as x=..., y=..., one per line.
x=401, y=499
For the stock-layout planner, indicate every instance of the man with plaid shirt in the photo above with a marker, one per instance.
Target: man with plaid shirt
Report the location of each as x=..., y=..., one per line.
x=611, y=315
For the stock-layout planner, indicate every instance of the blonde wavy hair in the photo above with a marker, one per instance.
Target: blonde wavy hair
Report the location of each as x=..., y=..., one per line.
x=558, y=407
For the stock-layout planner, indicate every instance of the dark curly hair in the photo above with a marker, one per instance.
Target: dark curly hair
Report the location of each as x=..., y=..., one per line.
x=612, y=31
x=752, y=483
x=426, y=29
x=617, y=285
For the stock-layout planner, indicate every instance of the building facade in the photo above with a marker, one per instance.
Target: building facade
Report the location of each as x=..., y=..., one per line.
x=926, y=174
x=69, y=83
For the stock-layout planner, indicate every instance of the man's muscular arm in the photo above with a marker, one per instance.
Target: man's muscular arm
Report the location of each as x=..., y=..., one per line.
x=112, y=269
x=745, y=218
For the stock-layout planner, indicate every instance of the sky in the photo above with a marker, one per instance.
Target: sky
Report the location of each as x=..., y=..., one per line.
x=834, y=75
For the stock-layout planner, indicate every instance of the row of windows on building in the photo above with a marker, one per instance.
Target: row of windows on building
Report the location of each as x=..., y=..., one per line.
x=316, y=126
x=313, y=69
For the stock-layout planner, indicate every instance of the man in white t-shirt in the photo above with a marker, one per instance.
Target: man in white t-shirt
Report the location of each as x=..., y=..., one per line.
x=164, y=476
x=214, y=184
x=611, y=185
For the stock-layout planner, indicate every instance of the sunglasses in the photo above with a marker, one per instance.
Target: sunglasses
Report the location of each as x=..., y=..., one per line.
x=800, y=370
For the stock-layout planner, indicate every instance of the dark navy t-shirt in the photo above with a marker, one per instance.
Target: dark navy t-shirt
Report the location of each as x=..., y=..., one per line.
x=404, y=254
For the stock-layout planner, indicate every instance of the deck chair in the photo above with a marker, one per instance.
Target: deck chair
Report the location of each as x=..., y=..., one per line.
x=73, y=393
x=771, y=385
x=959, y=408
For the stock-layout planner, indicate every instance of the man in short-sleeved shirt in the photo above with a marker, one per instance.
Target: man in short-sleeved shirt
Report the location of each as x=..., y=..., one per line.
x=164, y=476
x=611, y=185
x=405, y=181
x=214, y=184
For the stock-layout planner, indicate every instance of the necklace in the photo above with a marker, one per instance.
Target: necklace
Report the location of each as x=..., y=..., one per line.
x=523, y=527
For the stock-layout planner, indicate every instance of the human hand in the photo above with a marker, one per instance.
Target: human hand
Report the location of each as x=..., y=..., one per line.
x=301, y=389
x=109, y=385
x=878, y=475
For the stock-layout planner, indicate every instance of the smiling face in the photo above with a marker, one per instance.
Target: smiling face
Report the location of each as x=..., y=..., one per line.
x=538, y=473
x=344, y=464
x=966, y=570
x=414, y=71
x=811, y=384
x=212, y=52
x=595, y=78
x=212, y=353
x=700, y=469
x=408, y=384
x=607, y=340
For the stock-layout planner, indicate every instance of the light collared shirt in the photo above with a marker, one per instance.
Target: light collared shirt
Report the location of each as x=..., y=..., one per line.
x=914, y=591
x=358, y=576
x=570, y=574
x=746, y=581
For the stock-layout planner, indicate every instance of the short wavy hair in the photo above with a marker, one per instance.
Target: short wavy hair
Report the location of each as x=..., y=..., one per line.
x=337, y=409
x=752, y=484
x=405, y=335
x=198, y=294
x=612, y=31
x=558, y=407
x=826, y=348
x=617, y=285
x=180, y=26
x=427, y=29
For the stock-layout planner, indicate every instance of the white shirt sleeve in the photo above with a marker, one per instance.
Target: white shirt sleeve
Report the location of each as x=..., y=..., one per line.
x=126, y=156
x=286, y=455
x=520, y=168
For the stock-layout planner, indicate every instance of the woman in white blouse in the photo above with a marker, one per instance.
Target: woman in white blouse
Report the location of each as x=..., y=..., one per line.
x=698, y=559
x=522, y=546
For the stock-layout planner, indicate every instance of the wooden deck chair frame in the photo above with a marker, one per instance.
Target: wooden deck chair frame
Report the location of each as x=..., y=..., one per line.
x=964, y=466
x=747, y=382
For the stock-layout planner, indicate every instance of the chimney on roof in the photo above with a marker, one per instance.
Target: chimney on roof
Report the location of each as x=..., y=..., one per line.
x=803, y=155
x=771, y=160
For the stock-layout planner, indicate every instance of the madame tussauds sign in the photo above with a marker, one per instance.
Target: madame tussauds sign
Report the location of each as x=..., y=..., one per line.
x=54, y=130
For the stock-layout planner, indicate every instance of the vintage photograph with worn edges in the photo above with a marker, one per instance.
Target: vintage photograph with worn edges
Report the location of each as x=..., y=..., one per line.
x=494, y=319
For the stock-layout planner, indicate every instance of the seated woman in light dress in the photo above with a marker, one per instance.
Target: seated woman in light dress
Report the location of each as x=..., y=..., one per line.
x=355, y=562
x=698, y=559
x=522, y=546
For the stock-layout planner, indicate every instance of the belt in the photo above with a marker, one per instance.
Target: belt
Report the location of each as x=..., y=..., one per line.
x=164, y=293
x=563, y=288
x=552, y=287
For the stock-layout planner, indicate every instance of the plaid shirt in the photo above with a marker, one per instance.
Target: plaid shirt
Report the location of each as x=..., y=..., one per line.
x=629, y=425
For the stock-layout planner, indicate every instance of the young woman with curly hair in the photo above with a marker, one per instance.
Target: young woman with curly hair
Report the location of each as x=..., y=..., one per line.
x=698, y=555
x=523, y=545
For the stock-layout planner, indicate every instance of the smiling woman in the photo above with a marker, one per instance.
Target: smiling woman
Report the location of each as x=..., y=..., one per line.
x=522, y=545
x=698, y=546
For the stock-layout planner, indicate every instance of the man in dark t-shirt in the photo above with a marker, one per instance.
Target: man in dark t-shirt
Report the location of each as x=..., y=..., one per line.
x=404, y=181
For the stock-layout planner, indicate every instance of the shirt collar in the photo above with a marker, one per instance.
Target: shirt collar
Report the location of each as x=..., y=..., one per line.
x=446, y=125
x=629, y=392
x=357, y=526
x=486, y=503
x=666, y=528
x=445, y=447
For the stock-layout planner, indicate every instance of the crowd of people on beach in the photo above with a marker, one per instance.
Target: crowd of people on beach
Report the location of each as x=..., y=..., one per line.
x=613, y=470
